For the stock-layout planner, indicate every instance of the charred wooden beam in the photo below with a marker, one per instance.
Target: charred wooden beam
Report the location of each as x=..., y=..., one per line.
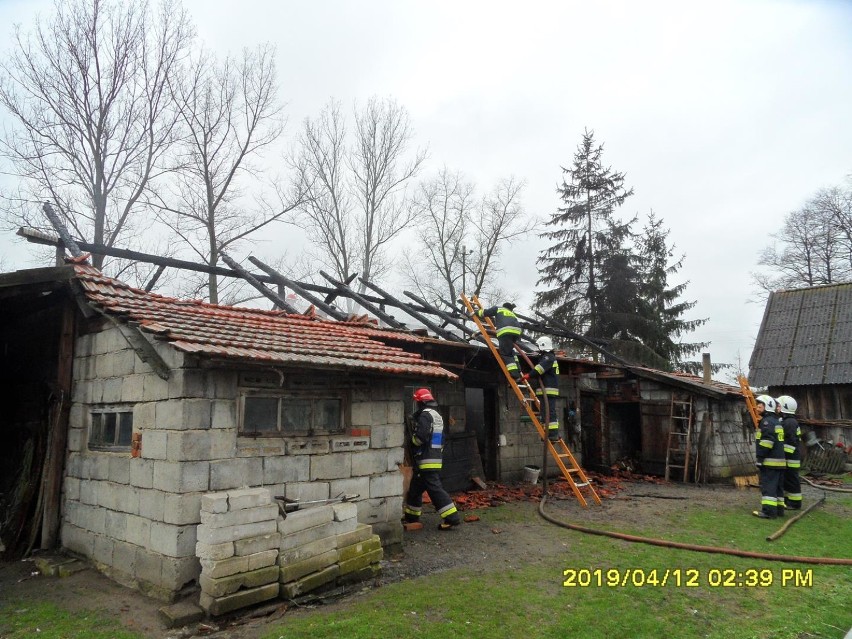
x=444, y=316
x=298, y=288
x=363, y=301
x=64, y=235
x=390, y=299
x=332, y=295
x=256, y=283
x=154, y=278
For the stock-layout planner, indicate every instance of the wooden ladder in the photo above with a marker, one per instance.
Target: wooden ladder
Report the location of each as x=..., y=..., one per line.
x=565, y=460
x=680, y=436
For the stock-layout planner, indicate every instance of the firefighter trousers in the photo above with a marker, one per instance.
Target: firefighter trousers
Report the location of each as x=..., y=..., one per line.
x=506, y=346
x=771, y=485
x=792, y=488
x=430, y=481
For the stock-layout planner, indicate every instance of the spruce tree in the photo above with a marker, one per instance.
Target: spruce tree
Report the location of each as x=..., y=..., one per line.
x=582, y=236
x=661, y=311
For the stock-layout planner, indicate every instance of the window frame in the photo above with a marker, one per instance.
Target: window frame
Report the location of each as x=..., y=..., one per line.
x=341, y=395
x=110, y=409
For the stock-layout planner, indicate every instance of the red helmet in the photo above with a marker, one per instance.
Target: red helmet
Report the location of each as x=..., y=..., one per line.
x=423, y=395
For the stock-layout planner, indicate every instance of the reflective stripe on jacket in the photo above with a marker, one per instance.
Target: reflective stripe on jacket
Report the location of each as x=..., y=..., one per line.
x=769, y=442
x=548, y=369
x=792, y=437
x=505, y=321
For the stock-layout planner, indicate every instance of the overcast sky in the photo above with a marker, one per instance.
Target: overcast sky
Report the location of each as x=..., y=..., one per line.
x=724, y=116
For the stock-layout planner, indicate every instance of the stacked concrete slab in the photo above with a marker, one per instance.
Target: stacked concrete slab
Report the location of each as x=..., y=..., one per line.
x=237, y=544
x=325, y=546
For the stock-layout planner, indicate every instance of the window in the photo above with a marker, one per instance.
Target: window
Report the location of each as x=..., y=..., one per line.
x=267, y=414
x=111, y=429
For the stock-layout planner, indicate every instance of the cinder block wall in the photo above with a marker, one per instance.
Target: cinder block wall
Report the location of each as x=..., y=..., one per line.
x=136, y=518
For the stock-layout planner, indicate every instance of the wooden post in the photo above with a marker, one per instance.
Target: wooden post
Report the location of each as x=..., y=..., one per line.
x=58, y=434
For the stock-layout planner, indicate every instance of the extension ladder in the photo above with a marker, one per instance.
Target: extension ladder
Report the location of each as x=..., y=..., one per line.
x=559, y=450
x=680, y=435
x=749, y=399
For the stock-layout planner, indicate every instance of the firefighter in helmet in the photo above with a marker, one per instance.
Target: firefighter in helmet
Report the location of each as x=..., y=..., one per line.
x=508, y=332
x=547, y=369
x=426, y=442
x=771, y=463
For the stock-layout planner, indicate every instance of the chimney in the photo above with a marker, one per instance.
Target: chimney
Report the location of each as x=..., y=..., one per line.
x=705, y=361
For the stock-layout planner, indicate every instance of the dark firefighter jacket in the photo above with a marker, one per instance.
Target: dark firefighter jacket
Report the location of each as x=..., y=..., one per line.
x=769, y=441
x=505, y=321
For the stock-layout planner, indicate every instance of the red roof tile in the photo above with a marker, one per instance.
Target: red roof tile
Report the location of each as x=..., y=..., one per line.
x=256, y=335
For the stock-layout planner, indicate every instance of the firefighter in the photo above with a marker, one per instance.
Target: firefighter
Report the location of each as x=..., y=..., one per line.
x=426, y=441
x=792, y=436
x=771, y=463
x=548, y=370
x=508, y=332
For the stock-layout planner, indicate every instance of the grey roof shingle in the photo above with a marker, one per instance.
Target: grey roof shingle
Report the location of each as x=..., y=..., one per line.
x=805, y=338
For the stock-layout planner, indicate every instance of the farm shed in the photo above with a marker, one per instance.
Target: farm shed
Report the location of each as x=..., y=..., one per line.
x=804, y=349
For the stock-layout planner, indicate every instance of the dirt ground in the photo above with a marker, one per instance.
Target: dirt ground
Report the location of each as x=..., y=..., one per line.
x=521, y=536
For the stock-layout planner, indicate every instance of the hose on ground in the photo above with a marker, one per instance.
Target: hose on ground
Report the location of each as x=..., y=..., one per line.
x=834, y=489
x=695, y=547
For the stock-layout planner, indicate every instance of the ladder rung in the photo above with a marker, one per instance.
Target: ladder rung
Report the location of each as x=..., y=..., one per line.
x=584, y=484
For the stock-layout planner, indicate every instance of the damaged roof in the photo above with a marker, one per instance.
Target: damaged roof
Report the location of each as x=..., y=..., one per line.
x=245, y=334
x=805, y=338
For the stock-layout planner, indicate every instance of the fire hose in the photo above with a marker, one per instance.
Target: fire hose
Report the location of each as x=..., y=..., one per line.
x=698, y=548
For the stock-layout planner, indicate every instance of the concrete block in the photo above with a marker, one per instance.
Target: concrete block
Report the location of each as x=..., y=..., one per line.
x=100, y=467
x=217, y=568
x=310, y=582
x=182, y=509
x=360, y=562
x=390, y=532
x=152, y=504
x=390, y=436
x=354, y=486
x=138, y=531
x=362, y=414
x=144, y=416
x=248, y=498
x=188, y=382
x=308, y=550
x=224, y=384
x=93, y=518
x=116, y=525
x=149, y=566
x=307, y=517
x=235, y=473
x=124, y=556
x=283, y=470
x=349, y=444
x=180, y=614
x=131, y=386
x=154, y=387
x=77, y=539
x=262, y=559
x=308, y=447
x=396, y=458
x=336, y=466
x=373, y=511
x=74, y=465
x=180, y=572
x=182, y=477
x=379, y=412
x=345, y=526
x=89, y=492
x=229, y=585
x=302, y=537
x=174, y=541
x=112, y=390
x=242, y=516
x=76, y=439
x=214, y=503
x=361, y=532
x=370, y=462
x=215, y=552
x=307, y=491
x=102, y=551
x=296, y=570
x=142, y=472
x=119, y=470
x=188, y=445
x=71, y=488
x=345, y=553
x=344, y=511
x=257, y=544
x=386, y=485
x=223, y=443
x=184, y=414
x=365, y=574
x=232, y=533
x=224, y=414
x=396, y=413
x=155, y=444
x=221, y=605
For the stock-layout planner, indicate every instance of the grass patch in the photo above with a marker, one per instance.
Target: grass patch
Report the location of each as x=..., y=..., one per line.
x=530, y=600
x=49, y=621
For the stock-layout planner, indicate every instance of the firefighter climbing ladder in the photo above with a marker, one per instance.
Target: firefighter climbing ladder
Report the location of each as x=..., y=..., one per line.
x=680, y=436
x=565, y=460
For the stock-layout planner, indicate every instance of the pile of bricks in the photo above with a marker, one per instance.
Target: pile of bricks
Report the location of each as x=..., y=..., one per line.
x=325, y=546
x=237, y=545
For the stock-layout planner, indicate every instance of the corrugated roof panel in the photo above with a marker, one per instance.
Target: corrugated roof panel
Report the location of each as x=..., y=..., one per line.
x=255, y=334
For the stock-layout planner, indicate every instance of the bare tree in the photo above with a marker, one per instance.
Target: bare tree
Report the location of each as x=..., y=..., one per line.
x=811, y=247
x=461, y=238
x=93, y=114
x=355, y=184
x=231, y=114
